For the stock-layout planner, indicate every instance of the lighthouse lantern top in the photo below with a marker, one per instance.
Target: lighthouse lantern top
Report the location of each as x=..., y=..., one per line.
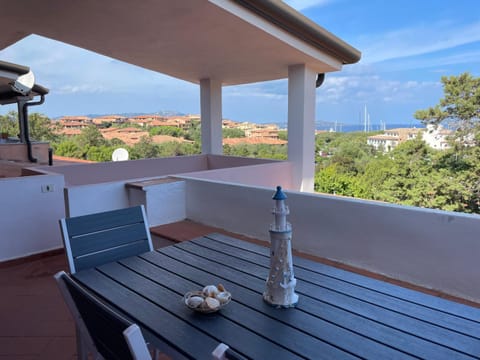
x=279, y=194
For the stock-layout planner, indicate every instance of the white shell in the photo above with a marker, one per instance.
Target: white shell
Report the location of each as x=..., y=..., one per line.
x=212, y=303
x=223, y=297
x=210, y=290
x=194, y=301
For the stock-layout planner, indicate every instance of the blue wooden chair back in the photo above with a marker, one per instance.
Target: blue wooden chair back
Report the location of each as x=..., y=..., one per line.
x=114, y=336
x=95, y=239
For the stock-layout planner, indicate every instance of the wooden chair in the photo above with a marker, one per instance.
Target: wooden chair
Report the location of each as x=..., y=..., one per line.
x=96, y=239
x=113, y=336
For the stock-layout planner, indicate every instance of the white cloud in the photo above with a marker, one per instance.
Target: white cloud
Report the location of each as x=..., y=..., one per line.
x=85, y=88
x=417, y=40
x=372, y=88
x=68, y=69
x=276, y=90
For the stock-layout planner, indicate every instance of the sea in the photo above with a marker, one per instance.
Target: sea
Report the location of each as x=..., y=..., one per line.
x=338, y=127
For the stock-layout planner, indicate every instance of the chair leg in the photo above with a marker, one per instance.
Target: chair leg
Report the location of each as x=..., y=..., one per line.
x=82, y=351
x=84, y=348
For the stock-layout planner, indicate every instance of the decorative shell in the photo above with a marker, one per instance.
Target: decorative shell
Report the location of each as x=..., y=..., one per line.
x=208, y=300
x=212, y=303
x=210, y=290
x=223, y=297
x=194, y=301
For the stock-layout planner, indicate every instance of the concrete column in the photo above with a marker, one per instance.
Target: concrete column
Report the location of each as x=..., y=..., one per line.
x=301, y=125
x=211, y=116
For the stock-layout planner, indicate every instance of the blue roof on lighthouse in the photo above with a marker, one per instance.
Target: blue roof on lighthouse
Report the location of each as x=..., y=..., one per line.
x=279, y=194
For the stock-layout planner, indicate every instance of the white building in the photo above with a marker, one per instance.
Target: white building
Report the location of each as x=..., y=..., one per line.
x=392, y=138
x=436, y=137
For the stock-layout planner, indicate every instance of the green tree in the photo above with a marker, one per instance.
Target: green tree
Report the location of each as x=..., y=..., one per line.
x=193, y=133
x=68, y=148
x=116, y=142
x=9, y=124
x=349, y=151
x=283, y=135
x=411, y=167
x=144, y=149
x=460, y=108
x=166, y=130
x=90, y=136
x=233, y=133
x=332, y=181
x=100, y=153
x=41, y=127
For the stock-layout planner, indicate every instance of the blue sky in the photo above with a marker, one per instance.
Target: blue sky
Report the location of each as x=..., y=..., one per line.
x=406, y=47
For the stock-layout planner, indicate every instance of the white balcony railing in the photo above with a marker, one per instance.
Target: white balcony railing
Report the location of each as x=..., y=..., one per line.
x=435, y=249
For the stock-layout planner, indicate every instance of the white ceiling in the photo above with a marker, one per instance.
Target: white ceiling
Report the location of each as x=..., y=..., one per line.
x=187, y=39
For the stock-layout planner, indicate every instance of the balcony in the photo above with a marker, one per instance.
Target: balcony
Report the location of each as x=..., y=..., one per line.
x=426, y=250
x=429, y=248
x=433, y=250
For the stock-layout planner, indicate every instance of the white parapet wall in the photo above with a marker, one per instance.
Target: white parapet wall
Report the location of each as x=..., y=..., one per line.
x=263, y=174
x=93, y=198
x=109, y=172
x=164, y=199
x=103, y=195
x=30, y=209
x=434, y=249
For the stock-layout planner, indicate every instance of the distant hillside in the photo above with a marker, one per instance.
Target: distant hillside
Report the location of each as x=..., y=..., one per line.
x=130, y=114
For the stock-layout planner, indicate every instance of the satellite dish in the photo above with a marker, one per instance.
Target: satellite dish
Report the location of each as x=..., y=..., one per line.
x=24, y=83
x=120, y=154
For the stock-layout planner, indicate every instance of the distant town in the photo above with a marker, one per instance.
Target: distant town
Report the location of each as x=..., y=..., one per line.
x=130, y=130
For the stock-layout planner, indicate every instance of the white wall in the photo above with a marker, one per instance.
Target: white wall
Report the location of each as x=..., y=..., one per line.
x=103, y=196
x=83, y=174
x=164, y=201
x=435, y=249
x=29, y=217
x=223, y=161
x=268, y=174
x=89, y=199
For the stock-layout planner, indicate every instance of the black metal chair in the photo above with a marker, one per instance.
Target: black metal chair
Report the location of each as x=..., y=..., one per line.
x=114, y=337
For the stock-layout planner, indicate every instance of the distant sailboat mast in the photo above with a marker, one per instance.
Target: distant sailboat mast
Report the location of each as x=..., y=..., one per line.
x=365, y=119
x=367, y=125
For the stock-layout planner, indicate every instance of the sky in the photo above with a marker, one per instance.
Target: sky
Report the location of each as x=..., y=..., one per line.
x=406, y=46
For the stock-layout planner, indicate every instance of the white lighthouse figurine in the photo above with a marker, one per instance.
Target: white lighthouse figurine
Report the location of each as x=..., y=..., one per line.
x=280, y=288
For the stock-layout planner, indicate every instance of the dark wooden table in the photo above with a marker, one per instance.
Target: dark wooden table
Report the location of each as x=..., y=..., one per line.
x=340, y=315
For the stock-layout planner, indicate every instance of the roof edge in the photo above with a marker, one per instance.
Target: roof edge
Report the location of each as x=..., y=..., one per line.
x=14, y=68
x=303, y=28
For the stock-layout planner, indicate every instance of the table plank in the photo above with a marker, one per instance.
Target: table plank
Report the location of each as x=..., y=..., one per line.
x=414, y=326
x=218, y=327
x=312, y=275
x=246, y=316
x=340, y=315
x=408, y=344
x=461, y=310
x=323, y=330
x=184, y=338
